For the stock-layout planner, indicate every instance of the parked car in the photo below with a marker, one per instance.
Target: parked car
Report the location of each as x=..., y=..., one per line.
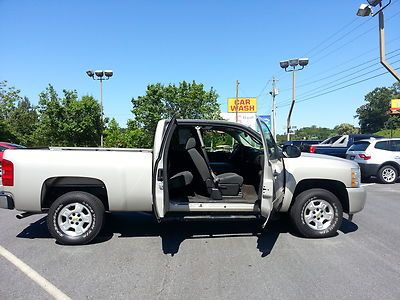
x=377, y=157
x=5, y=145
x=338, y=145
x=303, y=145
x=179, y=178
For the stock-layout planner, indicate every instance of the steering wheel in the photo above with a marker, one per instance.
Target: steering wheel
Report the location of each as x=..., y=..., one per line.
x=234, y=151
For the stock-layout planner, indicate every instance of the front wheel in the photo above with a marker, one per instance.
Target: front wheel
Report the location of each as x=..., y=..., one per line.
x=317, y=213
x=387, y=174
x=75, y=218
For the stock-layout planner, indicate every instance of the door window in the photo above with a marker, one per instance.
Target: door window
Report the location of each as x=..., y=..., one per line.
x=270, y=142
x=395, y=145
x=359, y=146
x=218, y=141
x=383, y=145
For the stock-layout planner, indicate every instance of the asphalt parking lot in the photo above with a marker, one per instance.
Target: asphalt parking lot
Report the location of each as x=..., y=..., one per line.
x=137, y=258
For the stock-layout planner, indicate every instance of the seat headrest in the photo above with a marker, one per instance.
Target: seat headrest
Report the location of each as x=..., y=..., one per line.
x=190, y=144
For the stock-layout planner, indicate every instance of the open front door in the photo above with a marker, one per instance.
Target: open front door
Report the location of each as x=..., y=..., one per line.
x=161, y=143
x=273, y=172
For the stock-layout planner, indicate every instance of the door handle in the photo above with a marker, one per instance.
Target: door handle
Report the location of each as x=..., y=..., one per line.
x=160, y=174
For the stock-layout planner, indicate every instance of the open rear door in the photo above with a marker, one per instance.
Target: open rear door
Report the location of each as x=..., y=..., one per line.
x=268, y=177
x=161, y=143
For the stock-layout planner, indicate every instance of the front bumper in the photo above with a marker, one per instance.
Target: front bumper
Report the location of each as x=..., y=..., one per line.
x=6, y=200
x=357, y=197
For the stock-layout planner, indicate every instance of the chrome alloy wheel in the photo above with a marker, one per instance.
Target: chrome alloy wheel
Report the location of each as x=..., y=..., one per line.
x=388, y=174
x=318, y=214
x=74, y=219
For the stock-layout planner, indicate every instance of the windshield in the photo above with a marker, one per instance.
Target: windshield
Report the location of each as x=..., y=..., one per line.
x=247, y=140
x=331, y=140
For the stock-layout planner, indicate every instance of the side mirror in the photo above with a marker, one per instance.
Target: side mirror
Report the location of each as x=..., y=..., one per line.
x=291, y=151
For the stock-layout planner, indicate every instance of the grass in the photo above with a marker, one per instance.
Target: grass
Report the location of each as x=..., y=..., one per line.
x=386, y=133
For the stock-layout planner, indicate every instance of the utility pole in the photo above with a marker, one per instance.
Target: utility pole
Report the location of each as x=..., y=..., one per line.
x=237, y=99
x=273, y=93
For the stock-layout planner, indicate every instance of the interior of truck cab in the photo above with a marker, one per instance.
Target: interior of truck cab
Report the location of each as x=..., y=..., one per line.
x=213, y=164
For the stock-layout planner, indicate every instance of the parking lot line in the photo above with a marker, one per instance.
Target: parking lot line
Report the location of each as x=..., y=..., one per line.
x=32, y=274
x=367, y=184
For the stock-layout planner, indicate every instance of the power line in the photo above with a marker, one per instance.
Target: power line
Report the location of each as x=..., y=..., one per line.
x=342, y=46
x=339, y=88
x=345, y=63
x=330, y=37
x=343, y=36
x=352, y=40
x=327, y=84
x=343, y=77
x=263, y=89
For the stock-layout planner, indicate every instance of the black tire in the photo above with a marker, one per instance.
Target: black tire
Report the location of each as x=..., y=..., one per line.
x=387, y=174
x=299, y=211
x=92, y=206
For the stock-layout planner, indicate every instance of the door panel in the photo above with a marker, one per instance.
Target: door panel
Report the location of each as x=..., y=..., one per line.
x=160, y=201
x=273, y=172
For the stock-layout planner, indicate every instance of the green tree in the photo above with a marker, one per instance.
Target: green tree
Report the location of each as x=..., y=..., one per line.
x=312, y=133
x=83, y=123
x=373, y=115
x=187, y=100
x=68, y=121
x=5, y=133
x=114, y=135
x=23, y=122
x=8, y=97
x=345, y=128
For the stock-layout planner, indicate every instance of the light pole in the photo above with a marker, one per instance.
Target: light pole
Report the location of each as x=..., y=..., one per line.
x=366, y=10
x=293, y=63
x=100, y=75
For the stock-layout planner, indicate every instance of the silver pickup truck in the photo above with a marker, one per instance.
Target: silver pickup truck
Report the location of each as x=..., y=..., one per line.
x=197, y=169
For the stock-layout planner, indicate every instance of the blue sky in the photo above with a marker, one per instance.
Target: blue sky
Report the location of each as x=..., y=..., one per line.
x=212, y=42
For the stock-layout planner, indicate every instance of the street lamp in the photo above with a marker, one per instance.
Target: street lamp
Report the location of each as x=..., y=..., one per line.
x=366, y=10
x=100, y=75
x=294, y=64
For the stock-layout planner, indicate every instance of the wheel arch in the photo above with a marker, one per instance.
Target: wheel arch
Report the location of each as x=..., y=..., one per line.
x=335, y=187
x=391, y=163
x=54, y=187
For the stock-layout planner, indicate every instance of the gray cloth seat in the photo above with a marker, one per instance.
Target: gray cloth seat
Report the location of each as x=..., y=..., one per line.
x=180, y=180
x=230, y=178
x=226, y=184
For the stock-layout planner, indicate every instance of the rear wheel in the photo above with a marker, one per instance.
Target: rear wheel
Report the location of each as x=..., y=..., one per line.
x=317, y=213
x=75, y=218
x=387, y=174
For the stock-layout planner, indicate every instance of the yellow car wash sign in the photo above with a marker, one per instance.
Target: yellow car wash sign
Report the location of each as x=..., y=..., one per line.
x=395, y=106
x=242, y=105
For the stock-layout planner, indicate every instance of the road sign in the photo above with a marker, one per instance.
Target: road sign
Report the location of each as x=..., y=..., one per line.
x=242, y=105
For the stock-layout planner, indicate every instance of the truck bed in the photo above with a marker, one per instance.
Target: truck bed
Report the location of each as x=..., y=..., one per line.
x=126, y=174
